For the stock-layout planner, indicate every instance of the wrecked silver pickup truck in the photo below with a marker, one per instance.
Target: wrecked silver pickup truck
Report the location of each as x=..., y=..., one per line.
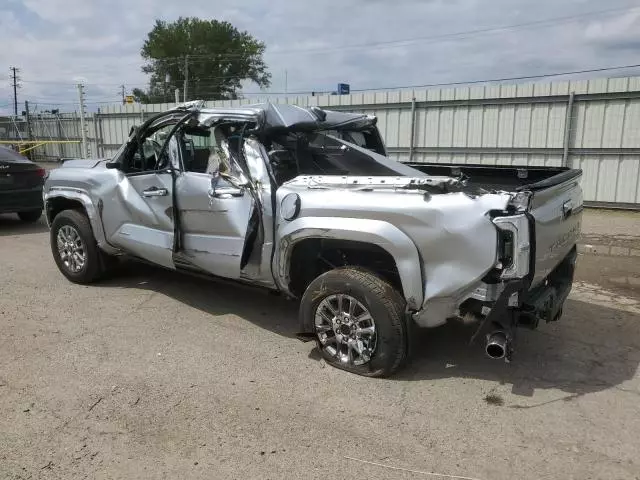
x=305, y=202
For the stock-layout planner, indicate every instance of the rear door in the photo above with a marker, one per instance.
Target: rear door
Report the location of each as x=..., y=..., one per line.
x=214, y=214
x=557, y=211
x=214, y=223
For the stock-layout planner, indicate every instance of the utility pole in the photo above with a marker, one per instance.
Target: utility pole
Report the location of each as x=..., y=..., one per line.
x=27, y=119
x=83, y=125
x=28, y=126
x=60, y=137
x=177, y=94
x=286, y=81
x=186, y=76
x=123, y=92
x=15, y=85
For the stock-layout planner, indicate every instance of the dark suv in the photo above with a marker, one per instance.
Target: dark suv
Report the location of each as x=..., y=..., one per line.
x=21, y=183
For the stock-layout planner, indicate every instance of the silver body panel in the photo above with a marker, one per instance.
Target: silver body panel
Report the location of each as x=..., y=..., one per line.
x=443, y=244
x=214, y=228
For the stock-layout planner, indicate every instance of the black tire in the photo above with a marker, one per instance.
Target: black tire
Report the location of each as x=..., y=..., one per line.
x=30, y=216
x=93, y=266
x=384, y=303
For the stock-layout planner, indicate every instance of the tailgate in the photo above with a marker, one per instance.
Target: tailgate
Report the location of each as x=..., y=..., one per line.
x=557, y=210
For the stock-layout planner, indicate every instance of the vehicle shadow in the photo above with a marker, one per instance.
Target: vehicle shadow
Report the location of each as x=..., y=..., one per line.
x=10, y=224
x=592, y=348
x=215, y=297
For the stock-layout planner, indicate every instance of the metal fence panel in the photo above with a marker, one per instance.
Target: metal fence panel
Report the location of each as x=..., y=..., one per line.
x=521, y=124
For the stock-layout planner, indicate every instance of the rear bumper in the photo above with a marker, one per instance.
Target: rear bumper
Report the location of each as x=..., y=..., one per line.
x=545, y=301
x=13, y=201
x=519, y=306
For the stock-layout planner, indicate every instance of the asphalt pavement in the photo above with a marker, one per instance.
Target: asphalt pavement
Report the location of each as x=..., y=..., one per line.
x=151, y=374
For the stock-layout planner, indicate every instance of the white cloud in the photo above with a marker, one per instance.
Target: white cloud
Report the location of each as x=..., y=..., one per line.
x=99, y=40
x=60, y=11
x=617, y=26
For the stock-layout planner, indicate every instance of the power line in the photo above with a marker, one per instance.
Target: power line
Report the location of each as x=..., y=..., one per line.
x=72, y=84
x=464, y=33
x=390, y=43
x=212, y=85
x=397, y=87
x=45, y=82
x=505, y=79
x=45, y=101
x=88, y=102
x=465, y=82
x=370, y=45
x=403, y=42
x=49, y=97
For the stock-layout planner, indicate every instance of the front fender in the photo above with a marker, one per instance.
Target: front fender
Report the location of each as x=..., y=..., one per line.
x=92, y=211
x=376, y=232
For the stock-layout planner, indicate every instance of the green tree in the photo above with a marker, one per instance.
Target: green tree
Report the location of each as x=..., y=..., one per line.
x=216, y=55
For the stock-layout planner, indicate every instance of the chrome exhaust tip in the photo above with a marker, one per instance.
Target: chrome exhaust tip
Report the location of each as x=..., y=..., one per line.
x=496, y=346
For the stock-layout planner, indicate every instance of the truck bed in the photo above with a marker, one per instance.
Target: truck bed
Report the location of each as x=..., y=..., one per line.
x=494, y=177
x=555, y=206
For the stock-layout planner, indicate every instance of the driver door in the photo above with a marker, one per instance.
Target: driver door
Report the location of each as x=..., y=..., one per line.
x=139, y=216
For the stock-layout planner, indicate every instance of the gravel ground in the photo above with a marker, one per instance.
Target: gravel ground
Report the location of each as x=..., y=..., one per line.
x=614, y=232
x=156, y=375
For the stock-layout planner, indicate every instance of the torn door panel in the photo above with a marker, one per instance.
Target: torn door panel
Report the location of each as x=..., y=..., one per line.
x=256, y=264
x=213, y=228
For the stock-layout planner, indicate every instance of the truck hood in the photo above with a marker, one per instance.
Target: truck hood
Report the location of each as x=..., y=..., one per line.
x=82, y=163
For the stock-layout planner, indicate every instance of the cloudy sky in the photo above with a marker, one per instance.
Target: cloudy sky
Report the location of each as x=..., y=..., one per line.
x=367, y=43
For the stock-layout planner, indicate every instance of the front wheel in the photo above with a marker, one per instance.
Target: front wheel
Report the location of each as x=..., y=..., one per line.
x=74, y=247
x=358, y=319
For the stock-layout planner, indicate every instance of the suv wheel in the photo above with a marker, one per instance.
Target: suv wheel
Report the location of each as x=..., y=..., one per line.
x=74, y=247
x=30, y=216
x=358, y=321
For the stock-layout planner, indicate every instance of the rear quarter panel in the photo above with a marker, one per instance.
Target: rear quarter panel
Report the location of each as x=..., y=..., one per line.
x=453, y=234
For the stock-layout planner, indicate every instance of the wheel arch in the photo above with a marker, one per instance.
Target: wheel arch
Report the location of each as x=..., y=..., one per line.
x=57, y=200
x=383, y=236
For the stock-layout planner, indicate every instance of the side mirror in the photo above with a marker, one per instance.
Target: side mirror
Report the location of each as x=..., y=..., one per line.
x=115, y=165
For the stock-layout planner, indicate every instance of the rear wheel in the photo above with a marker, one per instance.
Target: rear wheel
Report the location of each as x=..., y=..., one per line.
x=358, y=320
x=74, y=247
x=30, y=216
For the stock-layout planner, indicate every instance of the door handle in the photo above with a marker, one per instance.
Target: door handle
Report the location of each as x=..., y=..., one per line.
x=226, y=192
x=154, y=192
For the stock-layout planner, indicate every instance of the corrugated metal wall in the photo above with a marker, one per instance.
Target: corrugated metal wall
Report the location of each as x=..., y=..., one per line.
x=589, y=124
x=43, y=128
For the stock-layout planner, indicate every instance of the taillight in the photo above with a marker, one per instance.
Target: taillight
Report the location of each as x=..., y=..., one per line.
x=505, y=248
x=514, y=245
x=41, y=172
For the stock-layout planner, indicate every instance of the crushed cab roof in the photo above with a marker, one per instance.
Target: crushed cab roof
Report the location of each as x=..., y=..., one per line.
x=272, y=116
